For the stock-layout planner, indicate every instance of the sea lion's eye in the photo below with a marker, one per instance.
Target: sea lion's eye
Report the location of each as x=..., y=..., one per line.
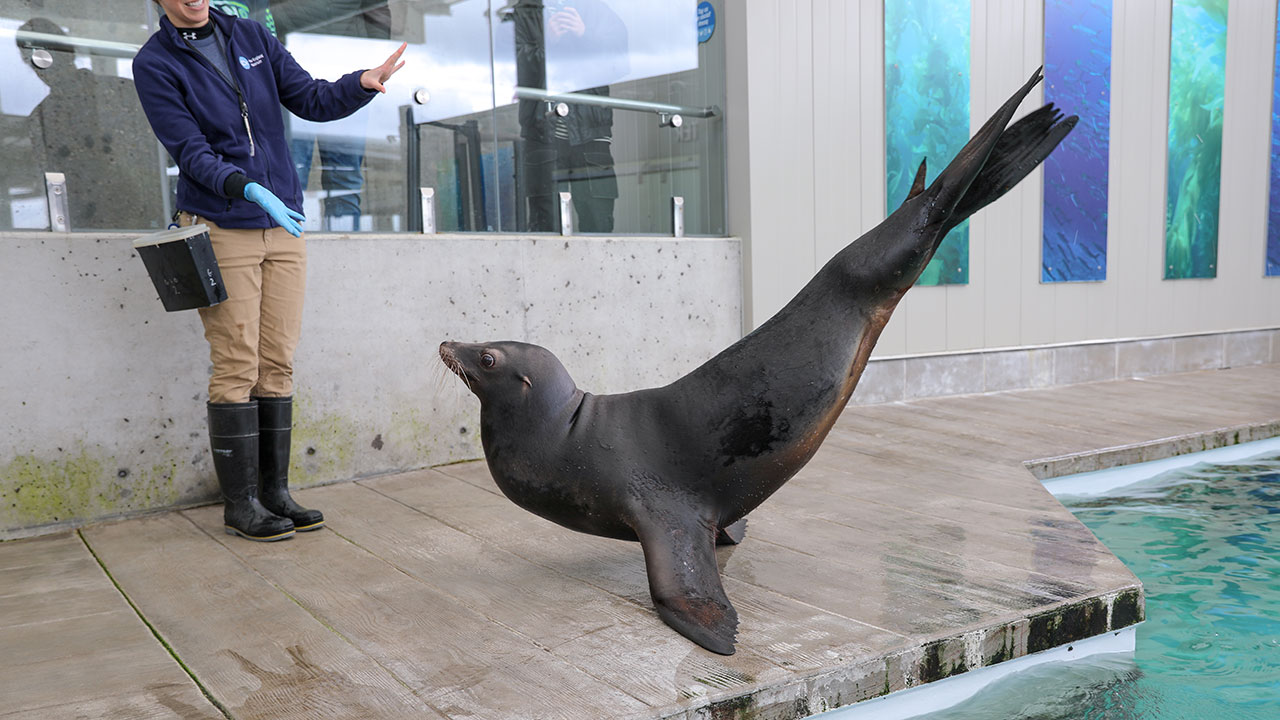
x=487, y=360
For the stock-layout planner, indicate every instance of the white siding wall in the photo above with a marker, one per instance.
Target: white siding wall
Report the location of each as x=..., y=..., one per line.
x=806, y=122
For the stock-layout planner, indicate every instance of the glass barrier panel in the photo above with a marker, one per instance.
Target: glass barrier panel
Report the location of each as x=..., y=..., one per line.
x=359, y=173
x=616, y=103
x=67, y=105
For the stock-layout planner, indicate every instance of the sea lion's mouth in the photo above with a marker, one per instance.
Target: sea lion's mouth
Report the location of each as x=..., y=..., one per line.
x=451, y=361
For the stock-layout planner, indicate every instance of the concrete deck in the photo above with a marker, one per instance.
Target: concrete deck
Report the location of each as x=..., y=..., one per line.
x=915, y=546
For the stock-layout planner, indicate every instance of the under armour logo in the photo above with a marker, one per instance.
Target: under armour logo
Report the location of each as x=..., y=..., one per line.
x=190, y=36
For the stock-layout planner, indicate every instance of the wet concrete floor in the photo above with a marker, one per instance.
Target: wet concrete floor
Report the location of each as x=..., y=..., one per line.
x=918, y=544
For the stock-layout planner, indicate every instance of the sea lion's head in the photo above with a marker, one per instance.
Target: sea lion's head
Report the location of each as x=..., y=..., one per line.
x=510, y=376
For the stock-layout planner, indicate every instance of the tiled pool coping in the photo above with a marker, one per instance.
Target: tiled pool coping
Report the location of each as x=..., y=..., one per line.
x=1106, y=458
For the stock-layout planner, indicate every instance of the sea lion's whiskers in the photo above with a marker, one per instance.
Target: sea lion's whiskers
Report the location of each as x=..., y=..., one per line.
x=451, y=362
x=441, y=375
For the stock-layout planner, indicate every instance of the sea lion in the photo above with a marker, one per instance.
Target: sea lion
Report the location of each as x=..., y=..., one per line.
x=679, y=467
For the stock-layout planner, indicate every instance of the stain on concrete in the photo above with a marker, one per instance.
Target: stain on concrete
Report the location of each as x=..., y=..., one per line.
x=1067, y=624
x=942, y=659
x=82, y=485
x=1128, y=609
x=738, y=708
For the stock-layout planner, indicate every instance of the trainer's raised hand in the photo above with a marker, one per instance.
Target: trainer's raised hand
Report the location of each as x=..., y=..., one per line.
x=373, y=78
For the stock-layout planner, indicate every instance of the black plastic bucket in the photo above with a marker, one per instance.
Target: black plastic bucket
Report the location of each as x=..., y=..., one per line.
x=182, y=266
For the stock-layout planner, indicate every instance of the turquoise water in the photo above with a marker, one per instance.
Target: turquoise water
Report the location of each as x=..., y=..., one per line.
x=1205, y=540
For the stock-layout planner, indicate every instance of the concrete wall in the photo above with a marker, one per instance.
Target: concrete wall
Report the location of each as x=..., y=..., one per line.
x=103, y=393
x=806, y=126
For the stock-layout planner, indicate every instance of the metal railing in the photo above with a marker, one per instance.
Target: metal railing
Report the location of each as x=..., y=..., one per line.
x=27, y=38
x=527, y=93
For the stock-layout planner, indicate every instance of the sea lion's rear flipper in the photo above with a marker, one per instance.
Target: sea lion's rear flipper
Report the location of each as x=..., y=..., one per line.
x=732, y=533
x=680, y=557
x=887, y=260
x=954, y=180
x=1020, y=149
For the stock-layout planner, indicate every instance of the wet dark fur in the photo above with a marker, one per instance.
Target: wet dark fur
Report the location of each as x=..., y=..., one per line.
x=673, y=467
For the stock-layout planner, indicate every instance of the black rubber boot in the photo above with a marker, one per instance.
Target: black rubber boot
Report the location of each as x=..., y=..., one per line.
x=233, y=437
x=275, y=425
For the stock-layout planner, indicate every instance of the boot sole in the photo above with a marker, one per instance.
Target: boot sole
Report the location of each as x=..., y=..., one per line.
x=309, y=528
x=258, y=538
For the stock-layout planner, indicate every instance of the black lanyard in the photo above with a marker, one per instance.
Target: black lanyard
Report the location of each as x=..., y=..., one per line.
x=229, y=77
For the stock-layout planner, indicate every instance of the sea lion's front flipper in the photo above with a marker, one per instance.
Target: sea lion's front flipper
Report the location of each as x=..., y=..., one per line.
x=680, y=557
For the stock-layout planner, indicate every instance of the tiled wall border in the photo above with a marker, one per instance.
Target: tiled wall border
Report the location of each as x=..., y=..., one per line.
x=895, y=379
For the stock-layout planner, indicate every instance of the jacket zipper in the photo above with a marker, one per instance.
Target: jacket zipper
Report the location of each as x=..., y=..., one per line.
x=244, y=115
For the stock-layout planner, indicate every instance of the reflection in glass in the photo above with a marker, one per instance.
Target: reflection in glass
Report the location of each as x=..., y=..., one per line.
x=356, y=172
x=79, y=116
x=336, y=150
x=454, y=119
x=573, y=148
x=621, y=166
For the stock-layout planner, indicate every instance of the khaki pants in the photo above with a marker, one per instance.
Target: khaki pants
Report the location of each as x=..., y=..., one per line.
x=253, y=333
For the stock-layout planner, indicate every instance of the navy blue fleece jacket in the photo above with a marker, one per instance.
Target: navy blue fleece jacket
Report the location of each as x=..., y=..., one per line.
x=197, y=116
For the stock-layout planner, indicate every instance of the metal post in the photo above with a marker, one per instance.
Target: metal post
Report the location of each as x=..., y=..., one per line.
x=677, y=216
x=522, y=205
x=55, y=188
x=428, y=210
x=566, y=213
x=478, y=210
x=412, y=168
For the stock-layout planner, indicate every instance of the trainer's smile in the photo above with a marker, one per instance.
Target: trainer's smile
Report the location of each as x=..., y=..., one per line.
x=186, y=14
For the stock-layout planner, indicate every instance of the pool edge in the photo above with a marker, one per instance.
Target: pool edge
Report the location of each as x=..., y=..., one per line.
x=1159, y=449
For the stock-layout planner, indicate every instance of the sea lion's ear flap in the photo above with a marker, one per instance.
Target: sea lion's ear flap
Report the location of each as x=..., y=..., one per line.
x=525, y=379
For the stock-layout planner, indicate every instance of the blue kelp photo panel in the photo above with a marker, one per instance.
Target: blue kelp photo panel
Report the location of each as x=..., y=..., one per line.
x=1077, y=77
x=1197, y=83
x=926, y=68
x=1273, y=212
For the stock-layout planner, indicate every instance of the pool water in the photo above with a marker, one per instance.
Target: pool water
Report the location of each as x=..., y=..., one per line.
x=1205, y=540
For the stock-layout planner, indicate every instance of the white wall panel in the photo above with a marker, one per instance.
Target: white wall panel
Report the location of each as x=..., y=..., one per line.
x=809, y=78
x=1245, y=168
x=779, y=149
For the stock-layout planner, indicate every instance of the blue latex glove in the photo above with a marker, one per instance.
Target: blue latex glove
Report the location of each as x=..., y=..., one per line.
x=284, y=217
